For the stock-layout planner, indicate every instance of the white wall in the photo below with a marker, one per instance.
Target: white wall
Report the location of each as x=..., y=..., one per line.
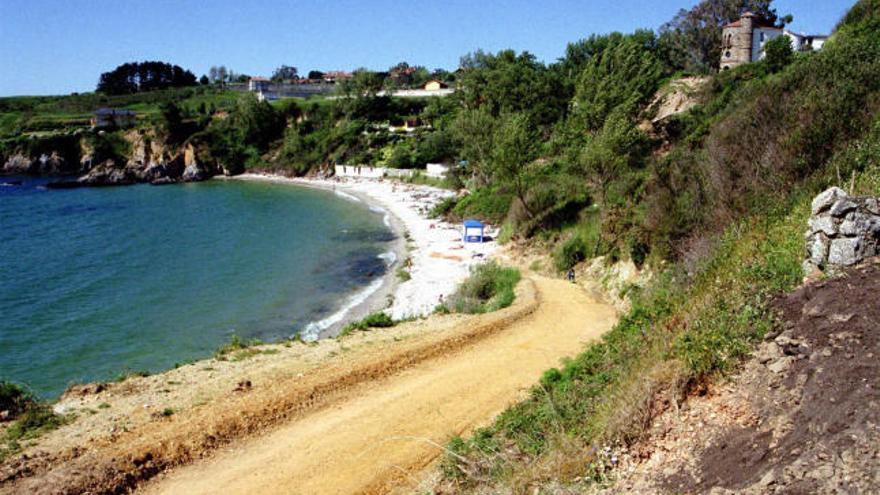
x=365, y=172
x=437, y=170
x=768, y=34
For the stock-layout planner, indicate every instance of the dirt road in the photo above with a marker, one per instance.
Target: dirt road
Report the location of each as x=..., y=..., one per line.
x=380, y=433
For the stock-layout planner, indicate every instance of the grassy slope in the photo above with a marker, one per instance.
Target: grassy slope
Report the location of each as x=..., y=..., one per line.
x=677, y=335
x=688, y=328
x=44, y=114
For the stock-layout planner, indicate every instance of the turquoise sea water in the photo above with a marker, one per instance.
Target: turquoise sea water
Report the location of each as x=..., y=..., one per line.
x=96, y=281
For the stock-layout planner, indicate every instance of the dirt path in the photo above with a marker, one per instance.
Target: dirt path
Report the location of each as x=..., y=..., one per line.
x=377, y=436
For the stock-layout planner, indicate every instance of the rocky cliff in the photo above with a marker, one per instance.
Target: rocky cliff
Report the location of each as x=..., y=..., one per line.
x=147, y=158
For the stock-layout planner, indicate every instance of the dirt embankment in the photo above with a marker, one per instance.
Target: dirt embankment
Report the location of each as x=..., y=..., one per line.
x=803, y=416
x=366, y=413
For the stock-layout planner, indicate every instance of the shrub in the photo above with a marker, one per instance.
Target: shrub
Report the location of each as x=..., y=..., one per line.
x=778, y=53
x=15, y=399
x=489, y=287
x=444, y=207
x=235, y=345
x=585, y=243
x=378, y=319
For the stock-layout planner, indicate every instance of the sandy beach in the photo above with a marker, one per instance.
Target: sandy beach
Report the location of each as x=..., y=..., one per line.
x=431, y=250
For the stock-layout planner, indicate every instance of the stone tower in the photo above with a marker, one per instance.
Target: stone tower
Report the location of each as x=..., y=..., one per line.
x=736, y=41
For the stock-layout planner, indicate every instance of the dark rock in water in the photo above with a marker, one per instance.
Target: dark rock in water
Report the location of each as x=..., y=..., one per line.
x=163, y=181
x=110, y=174
x=194, y=172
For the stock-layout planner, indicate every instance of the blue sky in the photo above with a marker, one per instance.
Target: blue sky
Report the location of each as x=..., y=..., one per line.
x=60, y=46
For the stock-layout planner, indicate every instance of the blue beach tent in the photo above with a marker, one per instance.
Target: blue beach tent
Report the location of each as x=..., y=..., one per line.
x=472, y=231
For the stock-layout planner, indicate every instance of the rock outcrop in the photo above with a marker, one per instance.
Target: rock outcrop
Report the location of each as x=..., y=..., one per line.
x=18, y=165
x=149, y=159
x=843, y=231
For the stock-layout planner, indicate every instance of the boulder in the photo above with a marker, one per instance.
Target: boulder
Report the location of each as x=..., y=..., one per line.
x=825, y=200
x=823, y=224
x=842, y=207
x=818, y=249
x=845, y=252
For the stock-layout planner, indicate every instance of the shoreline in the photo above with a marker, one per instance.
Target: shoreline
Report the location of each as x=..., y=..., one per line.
x=438, y=260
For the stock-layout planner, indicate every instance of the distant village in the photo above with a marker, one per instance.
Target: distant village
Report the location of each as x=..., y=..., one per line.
x=743, y=42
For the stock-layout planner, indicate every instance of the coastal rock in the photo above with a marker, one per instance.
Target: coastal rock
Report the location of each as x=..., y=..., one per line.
x=194, y=173
x=53, y=164
x=109, y=173
x=18, y=165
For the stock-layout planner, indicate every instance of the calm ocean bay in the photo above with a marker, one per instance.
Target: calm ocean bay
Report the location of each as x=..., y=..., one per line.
x=97, y=281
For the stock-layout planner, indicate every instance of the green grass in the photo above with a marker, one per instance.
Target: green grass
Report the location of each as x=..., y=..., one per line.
x=129, y=373
x=238, y=349
x=489, y=287
x=33, y=114
x=374, y=320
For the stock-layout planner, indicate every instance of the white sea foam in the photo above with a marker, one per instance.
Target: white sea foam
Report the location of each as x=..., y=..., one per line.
x=389, y=258
x=347, y=196
x=313, y=330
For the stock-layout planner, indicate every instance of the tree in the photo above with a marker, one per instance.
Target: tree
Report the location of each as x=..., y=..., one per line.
x=778, y=53
x=363, y=83
x=316, y=75
x=285, y=73
x=515, y=148
x=137, y=77
x=204, y=81
x=474, y=130
x=693, y=37
x=624, y=73
x=218, y=75
x=172, y=123
x=508, y=82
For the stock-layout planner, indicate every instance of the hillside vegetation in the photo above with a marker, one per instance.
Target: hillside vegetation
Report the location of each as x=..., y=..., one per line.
x=726, y=203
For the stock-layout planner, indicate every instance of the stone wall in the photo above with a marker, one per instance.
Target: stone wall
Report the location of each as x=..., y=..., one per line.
x=736, y=39
x=843, y=231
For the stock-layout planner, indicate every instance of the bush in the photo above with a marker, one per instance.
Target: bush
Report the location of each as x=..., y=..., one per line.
x=490, y=204
x=15, y=399
x=585, y=243
x=489, y=287
x=374, y=320
x=779, y=53
x=235, y=345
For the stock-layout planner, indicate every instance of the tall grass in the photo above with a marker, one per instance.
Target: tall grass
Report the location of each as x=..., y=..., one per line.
x=489, y=287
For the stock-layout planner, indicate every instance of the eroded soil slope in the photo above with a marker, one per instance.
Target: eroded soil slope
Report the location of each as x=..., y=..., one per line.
x=802, y=417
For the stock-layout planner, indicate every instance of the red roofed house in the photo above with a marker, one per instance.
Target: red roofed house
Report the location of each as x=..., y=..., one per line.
x=258, y=84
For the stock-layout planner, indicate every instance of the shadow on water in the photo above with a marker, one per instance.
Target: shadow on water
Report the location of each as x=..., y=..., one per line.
x=365, y=235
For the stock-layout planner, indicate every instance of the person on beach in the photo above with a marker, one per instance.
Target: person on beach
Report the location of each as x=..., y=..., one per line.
x=571, y=275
